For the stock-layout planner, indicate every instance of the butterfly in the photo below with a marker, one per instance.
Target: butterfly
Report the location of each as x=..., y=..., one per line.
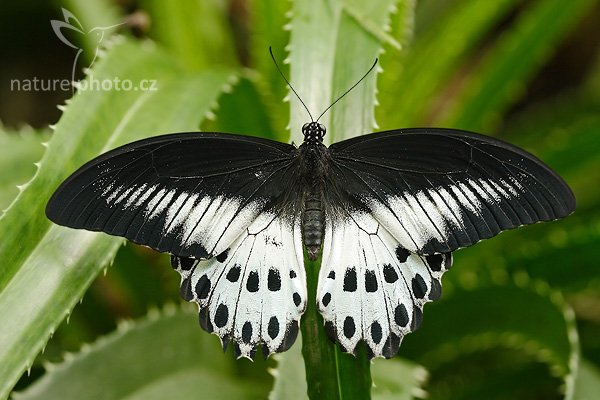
x=385, y=211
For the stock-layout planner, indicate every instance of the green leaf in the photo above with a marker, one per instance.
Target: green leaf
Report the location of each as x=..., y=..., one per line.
x=392, y=379
x=518, y=314
x=587, y=384
x=234, y=114
x=18, y=153
x=414, y=77
x=162, y=356
x=268, y=28
x=47, y=268
x=330, y=49
x=332, y=45
x=94, y=14
x=184, y=27
x=500, y=80
x=290, y=377
x=397, y=379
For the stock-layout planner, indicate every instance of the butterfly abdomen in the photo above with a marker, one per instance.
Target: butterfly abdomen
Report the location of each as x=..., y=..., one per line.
x=313, y=223
x=312, y=175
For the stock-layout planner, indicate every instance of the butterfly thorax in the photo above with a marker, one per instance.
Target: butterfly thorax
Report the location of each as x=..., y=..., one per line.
x=313, y=170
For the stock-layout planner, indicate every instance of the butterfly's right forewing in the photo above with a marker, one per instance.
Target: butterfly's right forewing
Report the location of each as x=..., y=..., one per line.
x=438, y=190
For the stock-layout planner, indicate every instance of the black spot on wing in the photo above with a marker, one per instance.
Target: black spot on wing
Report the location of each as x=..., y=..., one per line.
x=273, y=327
x=252, y=282
x=435, y=262
x=331, y=275
x=349, y=327
x=234, y=273
x=221, y=315
x=376, y=333
x=419, y=287
x=296, y=298
x=274, y=280
x=402, y=254
x=292, y=274
x=182, y=263
x=203, y=287
x=247, y=332
x=389, y=273
x=350, y=280
x=223, y=256
x=370, y=281
x=326, y=299
x=401, y=315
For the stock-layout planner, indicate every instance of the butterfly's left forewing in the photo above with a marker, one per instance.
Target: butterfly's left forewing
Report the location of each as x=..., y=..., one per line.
x=188, y=194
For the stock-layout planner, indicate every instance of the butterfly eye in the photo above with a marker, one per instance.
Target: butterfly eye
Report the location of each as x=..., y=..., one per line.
x=322, y=128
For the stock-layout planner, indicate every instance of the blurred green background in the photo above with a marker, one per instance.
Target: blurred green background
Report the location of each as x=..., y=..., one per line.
x=520, y=314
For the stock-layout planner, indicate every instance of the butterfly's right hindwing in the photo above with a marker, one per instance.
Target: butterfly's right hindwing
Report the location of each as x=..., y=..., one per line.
x=254, y=292
x=187, y=194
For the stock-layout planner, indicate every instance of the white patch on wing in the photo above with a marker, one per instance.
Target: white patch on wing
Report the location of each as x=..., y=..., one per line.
x=370, y=288
x=113, y=194
x=216, y=224
x=255, y=292
x=433, y=214
x=158, y=203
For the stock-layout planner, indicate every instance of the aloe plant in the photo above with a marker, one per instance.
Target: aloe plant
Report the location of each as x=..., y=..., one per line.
x=522, y=307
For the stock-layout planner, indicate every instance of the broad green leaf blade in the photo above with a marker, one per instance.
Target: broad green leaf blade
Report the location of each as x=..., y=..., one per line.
x=268, y=28
x=290, y=377
x=392, y=379
x=243, y=111
x=18, y=152
x=398, y=379
x=332, y=46
x=102, y=120
x=47, y=268
x=163, y=356
x=413, y=79
x=184, y=28
x=519, y=314
x=587, y=384
x=94, y=14
x=500, y=80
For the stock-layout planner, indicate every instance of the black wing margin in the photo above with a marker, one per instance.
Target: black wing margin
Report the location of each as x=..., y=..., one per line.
x=189, y=194
x=437, y=190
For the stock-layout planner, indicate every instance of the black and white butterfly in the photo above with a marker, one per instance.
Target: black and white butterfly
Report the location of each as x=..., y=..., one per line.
x=386, y=210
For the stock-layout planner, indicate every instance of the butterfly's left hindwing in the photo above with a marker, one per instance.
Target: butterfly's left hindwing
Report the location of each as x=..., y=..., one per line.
x=254, y=292
x=370, y=288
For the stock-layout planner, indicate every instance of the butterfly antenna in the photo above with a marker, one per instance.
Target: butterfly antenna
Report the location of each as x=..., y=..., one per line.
x=290, y=85
x=348, y=91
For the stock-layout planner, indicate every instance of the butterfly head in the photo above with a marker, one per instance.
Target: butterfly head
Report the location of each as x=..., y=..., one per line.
x=313, y=132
